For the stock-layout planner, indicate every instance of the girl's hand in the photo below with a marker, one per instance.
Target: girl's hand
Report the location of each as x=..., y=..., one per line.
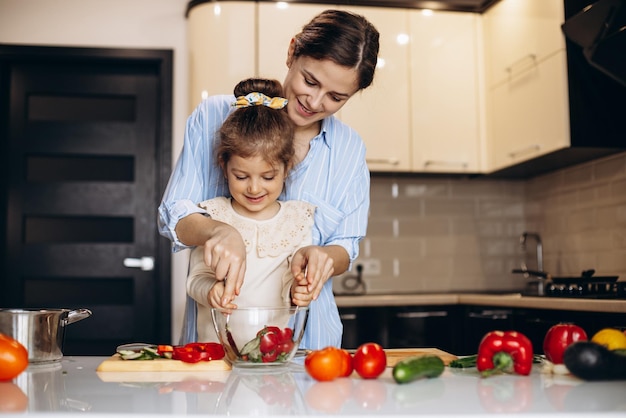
x=225, y=253
x=300, y=295
x=316, y=265
x=215, y=297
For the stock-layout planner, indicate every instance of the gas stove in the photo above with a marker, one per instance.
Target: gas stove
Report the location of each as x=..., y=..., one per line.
x=586, y=289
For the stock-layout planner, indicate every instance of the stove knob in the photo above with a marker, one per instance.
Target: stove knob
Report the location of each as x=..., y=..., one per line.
x=574, y=289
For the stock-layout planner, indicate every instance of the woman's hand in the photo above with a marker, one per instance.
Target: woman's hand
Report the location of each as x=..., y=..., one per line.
x=316, y=264
x=225, y=253
x=224, y=249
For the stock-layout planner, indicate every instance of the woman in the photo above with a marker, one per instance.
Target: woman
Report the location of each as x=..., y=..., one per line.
x=331, y=59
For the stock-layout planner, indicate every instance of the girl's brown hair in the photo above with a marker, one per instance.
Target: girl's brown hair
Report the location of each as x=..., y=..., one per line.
x=345, y=38
x=257, y=129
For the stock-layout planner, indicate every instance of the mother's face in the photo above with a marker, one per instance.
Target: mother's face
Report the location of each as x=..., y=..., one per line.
x=317, y=88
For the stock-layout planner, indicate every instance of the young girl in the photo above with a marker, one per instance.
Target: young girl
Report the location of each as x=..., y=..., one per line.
x=255, y=152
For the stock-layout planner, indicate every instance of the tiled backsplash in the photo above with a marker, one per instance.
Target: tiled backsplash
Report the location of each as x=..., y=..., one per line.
x=444, y=234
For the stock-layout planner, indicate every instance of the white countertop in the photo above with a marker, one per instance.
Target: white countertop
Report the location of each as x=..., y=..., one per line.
x=511, y=300
x=74, y=387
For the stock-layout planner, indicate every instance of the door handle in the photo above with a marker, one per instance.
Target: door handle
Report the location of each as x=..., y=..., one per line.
x=144, y=263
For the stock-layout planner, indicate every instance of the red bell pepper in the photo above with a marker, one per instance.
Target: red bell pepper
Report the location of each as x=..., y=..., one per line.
x=505, y=352
x=195, y=352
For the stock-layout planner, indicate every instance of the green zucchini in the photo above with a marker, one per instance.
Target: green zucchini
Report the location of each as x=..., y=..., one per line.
x=590, y=361
x=418, y=367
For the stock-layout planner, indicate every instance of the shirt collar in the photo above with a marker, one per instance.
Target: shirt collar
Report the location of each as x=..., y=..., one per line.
x=326, y=127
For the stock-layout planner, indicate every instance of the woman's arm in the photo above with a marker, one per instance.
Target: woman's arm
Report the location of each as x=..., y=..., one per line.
x=196, y=175
x=224, y=250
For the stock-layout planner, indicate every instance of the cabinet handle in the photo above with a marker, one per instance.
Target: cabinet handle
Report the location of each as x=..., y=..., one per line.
x=348, y=317
x=488, y=314
x=527, y=150
x=528, y=61
x=421, y=314
x=390, y=161
x=462, y=164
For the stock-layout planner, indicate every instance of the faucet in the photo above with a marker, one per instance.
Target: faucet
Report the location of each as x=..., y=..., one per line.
x=539, y=274
x=522, y=240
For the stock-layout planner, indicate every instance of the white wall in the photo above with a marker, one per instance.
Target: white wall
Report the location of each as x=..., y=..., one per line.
x=159, y=24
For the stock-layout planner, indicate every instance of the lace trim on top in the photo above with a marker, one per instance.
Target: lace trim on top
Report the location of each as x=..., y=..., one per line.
x=282, y=233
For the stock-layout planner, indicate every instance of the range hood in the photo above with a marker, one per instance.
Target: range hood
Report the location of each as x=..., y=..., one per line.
x=600, y=29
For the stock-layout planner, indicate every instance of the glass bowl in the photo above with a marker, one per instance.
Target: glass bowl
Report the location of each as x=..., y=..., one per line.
x=260, y=336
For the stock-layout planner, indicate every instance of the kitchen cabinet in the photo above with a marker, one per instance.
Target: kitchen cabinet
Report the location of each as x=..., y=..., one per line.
x=478, y=321
x=222, y=47
x=546, y=107
x=526, y=78
x=400, y=326
x=381, y=113
x=422, y=113
x=419, y=326
x=445, y=101
x=518, y=34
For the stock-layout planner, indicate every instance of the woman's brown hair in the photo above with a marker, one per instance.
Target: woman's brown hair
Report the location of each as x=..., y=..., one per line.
x=346, y=38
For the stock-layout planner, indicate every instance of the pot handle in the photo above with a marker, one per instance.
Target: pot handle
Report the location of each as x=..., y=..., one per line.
x=76, y=315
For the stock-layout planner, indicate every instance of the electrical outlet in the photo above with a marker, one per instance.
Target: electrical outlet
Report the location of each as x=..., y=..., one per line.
x=371, y=266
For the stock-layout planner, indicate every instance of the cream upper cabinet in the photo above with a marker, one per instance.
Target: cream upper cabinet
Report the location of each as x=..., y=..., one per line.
x=520, y=33
x=381, y=112
x=214, y=31
x=445, y=99
x=529, y=114
x=527, y=96
x=422, y=114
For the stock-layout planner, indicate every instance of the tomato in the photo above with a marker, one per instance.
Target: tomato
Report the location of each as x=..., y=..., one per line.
x=346, y=363
x=558, y=338
x=286, y=334
x=269, y=341
x=285, y=347
x=13, y=357
x=370, y=360
x=325, y=364
x=269, y=356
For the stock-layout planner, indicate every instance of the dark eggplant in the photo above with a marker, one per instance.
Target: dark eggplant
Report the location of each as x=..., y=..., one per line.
x=590, y=361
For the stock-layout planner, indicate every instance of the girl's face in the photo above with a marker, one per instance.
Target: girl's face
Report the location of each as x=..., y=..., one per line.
x=316, y=89
x=255, y=185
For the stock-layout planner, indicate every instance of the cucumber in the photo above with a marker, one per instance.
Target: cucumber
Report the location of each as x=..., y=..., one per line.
x=590, y=361
x=419, y=367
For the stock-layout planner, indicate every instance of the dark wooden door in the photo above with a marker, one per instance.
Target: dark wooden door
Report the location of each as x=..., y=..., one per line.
x=86, y=150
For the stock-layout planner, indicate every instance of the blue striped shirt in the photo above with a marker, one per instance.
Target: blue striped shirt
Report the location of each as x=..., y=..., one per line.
x=333, y=176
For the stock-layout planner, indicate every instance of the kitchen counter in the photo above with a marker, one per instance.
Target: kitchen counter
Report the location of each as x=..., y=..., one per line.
x=74, y=387
x=511, y=300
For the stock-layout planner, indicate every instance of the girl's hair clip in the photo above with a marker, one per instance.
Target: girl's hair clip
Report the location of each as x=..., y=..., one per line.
x=259, y=99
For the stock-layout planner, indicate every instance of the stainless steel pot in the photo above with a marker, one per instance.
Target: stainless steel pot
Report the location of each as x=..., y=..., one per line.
x=41, y=331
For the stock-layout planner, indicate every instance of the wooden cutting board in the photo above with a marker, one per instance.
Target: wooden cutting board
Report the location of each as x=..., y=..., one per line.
x=394, y=355
x=116, y=364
